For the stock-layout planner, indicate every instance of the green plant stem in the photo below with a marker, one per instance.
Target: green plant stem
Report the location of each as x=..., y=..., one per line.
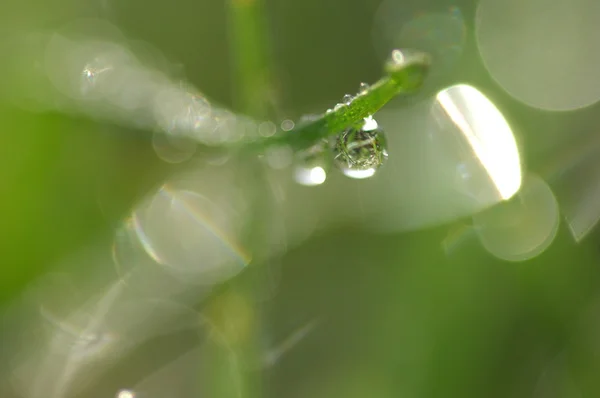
x=255, y=97
x=251, y=59
x=403, y=76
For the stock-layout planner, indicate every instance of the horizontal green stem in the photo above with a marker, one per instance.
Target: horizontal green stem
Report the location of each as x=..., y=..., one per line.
x=405, y=74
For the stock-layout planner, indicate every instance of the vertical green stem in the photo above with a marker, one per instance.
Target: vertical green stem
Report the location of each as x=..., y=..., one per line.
x=254, y=96
x=254, y=91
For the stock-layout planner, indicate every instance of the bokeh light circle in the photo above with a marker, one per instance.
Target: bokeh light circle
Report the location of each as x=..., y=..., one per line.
x=543, y=54
x=522, y=228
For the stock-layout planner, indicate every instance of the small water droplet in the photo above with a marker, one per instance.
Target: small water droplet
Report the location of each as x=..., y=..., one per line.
x=329, y=111
x=408, y=67
x=339, y=106
x=358, y=153
x=312, y=165
x=347, y=99
x=363, y=88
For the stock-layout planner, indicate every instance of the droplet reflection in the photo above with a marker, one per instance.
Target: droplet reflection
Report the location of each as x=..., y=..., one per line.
x=359, y=152
x=312, y=165
x=311, y=177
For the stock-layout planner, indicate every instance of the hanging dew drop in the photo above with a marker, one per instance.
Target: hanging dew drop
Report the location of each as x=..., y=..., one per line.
x=359, y=152
x=347, y=99
x=363, y=88
x=312, y=165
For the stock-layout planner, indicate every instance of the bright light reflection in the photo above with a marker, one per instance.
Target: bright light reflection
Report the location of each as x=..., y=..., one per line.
x=125, y=394
x=311, y=177
x=488, y=134
x=370, y=124
x=359, y=174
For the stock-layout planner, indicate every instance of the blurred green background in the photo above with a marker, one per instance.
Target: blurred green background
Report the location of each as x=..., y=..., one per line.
x=401, y=317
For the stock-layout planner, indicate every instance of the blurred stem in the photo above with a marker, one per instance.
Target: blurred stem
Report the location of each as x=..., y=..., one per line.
x=254, y=91
x=254, y=96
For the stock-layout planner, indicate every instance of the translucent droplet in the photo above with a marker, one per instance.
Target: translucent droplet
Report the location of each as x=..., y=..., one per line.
x=363, y=88
x=408, y=67
x=339, y=106
x=329, y=111
x=347, y=99
x=358, y=153
x=312, y=165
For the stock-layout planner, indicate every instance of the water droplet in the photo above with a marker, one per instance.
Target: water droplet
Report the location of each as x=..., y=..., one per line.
x=363, y=88
x=329, y=111
x=339, y=106
x=312, y=165
x=358, y=153
x=347, y=99
x=408, y=67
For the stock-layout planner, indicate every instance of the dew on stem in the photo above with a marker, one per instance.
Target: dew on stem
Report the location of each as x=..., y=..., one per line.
x=408, y=68
x=359, y=152
x=405, y=72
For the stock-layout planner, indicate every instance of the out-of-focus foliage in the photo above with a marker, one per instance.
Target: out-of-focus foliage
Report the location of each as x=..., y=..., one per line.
x=340, y=299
